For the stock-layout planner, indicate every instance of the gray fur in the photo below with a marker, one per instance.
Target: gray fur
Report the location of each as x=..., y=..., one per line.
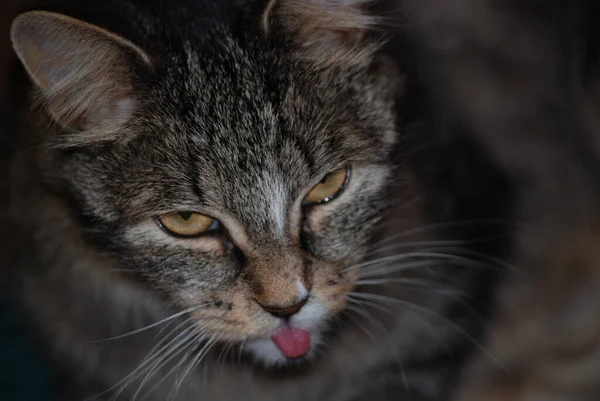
x=225, y=117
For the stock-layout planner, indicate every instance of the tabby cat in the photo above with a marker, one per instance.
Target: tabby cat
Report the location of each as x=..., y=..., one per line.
x=201, y=183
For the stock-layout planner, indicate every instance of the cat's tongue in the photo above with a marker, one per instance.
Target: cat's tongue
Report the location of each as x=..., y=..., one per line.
x=292, y=342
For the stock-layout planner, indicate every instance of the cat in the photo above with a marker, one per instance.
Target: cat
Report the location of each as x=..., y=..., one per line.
x=214, y=199
x=523, y=78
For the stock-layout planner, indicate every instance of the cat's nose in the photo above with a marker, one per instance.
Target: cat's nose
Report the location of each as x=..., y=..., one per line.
x=284, y=312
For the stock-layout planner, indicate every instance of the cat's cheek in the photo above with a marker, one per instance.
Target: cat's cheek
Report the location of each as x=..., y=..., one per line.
x=325, y=240
x=332, y=285
x=340, y=230
x=238, y=317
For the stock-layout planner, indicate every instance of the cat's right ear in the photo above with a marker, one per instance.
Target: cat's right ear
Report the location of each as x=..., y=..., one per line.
x=84, y=73
x=325, y=31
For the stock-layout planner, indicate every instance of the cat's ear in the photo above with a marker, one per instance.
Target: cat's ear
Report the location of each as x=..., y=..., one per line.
x=84, y=74
x=326, y=31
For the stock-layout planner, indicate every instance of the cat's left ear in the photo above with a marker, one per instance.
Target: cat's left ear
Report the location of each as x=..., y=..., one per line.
x=83, y=73
x=325, y=31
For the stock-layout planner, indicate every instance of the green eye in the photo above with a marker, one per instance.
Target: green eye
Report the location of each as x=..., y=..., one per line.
x=330, y=186
x=186, y=224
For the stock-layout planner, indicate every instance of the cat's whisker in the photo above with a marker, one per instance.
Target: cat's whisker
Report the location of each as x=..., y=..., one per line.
x=389, y=268
x=375, y=297
x=430, y=256
x=438, y=244
x=150, y=326
x=395, y=271
x=240, y=352
x=160, y=352
x=460, y=251
x=388, y=259
x=206, y=348
x=454, y=224
x=191, y=364
x=417, y=284
x=187, y=349
x=198, y=358
x=386, y=334
x=223, y=353
x=221, y=360
x=149, y=366
x=357, y=309
x=151, y=355
x=502, y=263
x=124, y=383
x=433, y=332
x=414, y=244
x=156, y=349
x=214, y=341
x=176, y=349
x=175, y=370
x=407, y=282
x=157, y=336
x=195, y=361
x=370, y=303
x=429, y=312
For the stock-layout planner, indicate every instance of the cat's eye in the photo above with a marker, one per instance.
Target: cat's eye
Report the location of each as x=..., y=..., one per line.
x=329, y=188
x=187, y=224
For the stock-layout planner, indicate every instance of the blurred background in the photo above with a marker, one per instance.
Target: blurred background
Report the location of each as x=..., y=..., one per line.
x=23, y=376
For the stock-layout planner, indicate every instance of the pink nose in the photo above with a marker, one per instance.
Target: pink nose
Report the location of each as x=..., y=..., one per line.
x=285, y=312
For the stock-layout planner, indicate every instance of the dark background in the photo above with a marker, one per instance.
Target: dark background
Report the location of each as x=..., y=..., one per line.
x=23, y=376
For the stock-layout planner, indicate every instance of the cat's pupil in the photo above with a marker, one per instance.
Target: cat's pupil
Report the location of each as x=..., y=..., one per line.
x=185, y=215
x=324, y=180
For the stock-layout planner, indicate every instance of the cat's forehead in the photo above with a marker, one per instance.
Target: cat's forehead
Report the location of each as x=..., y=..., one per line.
x=246, y=109
x=247, y=131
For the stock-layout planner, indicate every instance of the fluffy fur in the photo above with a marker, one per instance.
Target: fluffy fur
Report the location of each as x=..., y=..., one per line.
x=234, y=109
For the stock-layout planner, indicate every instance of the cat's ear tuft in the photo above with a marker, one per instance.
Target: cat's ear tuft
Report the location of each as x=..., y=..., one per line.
x=84, y=74
x=326, y=31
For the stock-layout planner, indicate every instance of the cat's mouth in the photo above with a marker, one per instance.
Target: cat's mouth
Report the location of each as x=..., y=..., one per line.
x=293, y=342
x=290, y=344
x=298, y=338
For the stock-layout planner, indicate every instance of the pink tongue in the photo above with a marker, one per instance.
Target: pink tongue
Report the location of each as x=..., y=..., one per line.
x=292, y=342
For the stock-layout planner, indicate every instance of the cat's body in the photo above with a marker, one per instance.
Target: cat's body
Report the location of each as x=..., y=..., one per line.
x=234, y=110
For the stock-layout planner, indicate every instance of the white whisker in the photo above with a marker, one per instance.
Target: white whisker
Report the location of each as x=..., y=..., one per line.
x=374, y=267
x=370, y=303
x=435, y=245
x=394, y=258
x=171, y=352
x=415, y=307
x=364, y=314
x=123, y=383
x=413, y=283
x=198, y=358
x=455, y=224
x=150, y=326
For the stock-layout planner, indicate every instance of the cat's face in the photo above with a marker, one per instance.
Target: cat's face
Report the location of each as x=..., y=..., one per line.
x=246, y=185
x=249, y=164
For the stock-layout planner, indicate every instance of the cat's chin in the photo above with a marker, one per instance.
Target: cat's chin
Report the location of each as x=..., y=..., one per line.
x=312, y=319
x=265, y=352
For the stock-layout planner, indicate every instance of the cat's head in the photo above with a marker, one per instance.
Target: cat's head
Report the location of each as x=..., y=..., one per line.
x=235, y=174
